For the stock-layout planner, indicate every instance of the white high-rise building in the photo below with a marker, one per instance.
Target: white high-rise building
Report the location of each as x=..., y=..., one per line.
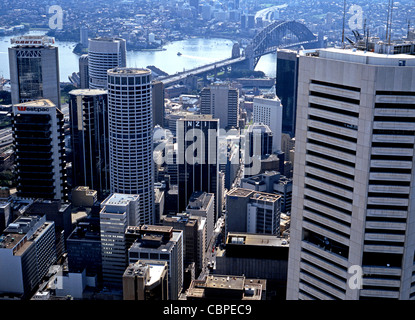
x=352, y=222
x=130, y=127
x=118, y=212
x=268, y=110
x=104, y=54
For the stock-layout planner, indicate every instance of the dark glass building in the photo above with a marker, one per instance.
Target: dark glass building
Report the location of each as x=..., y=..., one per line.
x=88, y=109
x=286, y=88
x=198, y=170
x=39, y=147
x=34, y=69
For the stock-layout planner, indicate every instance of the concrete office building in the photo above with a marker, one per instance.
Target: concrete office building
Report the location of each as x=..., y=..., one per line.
x=84, y=248
x=104, y=54
x=34, y=69
x=222, y=102
x=118, y=212
x=27, y=250
x=146, y=280
x=353, y=192
x=88, y=110
x=268, y=110
x=161, y=243
x=252, y=211
x=202, y=204
x=131, y=136
x=39, y=147
x=227, y=287
x=257, y=256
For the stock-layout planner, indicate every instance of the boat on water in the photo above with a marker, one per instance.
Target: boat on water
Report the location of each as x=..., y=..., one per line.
x=179, y=53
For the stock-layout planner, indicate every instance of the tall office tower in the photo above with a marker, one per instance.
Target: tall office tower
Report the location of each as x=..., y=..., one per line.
x=88, y=109
x=260, y=139
x=286, y=88
x=268, y=110
x=104, y=54
x=39, y=147
x=118, y=212
x=202, y=204
x=83, y=37
x=197, y=145
x=353, y=175
x=83, y=71
x=146, y=280
x=34, y=69
x=222, y=102
x=131, y=136
x=161, y=243
x=27, y=250
x=158, y=103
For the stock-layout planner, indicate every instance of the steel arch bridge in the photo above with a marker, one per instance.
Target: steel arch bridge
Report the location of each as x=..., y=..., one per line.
x=280, y=34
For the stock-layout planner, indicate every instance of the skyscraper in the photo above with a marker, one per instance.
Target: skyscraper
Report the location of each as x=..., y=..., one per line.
x=34, y=69
x=83, y=71
x=286, y=88
x=88, y=109
x=222, y=102
x=118, y=212
x=104, y=54
x=39, y=146
x=131, y=136
x=198, y=170
x=353, y=189
x=268, y=110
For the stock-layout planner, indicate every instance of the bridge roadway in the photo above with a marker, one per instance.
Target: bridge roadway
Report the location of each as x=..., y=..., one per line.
x=176, y=78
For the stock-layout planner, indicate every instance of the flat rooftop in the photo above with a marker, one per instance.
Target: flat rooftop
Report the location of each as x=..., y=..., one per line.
x=366, y=57
x=88, y=92
x=253, y=239
x=132, y=71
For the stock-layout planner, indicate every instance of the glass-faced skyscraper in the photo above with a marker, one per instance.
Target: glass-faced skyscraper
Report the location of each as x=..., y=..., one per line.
x=88, y=109
x=34, y=69
x=197, y=143
x=130, y=121
x=286, y=88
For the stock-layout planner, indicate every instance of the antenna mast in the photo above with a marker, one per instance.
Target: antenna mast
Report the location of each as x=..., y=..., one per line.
x=344, y=19
x=390, y=28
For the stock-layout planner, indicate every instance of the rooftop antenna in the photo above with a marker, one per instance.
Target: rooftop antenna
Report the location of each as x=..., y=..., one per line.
x=409, y=28
x=390, y=28
x=387, y=20
x=344, y=21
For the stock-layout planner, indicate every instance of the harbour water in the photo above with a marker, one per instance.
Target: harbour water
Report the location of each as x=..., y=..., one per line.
x=195, y=52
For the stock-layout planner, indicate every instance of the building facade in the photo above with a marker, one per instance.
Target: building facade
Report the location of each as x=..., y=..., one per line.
x=222, y=102
x=104, y=54
x=40, y=153
x=353, y=170
x=34, y=69
x=88, y=111
x=131, y=136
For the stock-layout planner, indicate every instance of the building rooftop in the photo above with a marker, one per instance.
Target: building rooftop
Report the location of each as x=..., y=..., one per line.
x=88, y=92
x=254, y=239
x=32, y=41
x=120, y=199
x=37, y=103
x=127, y=71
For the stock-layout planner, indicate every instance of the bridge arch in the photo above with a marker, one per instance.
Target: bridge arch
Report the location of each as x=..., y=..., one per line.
x=280, y=34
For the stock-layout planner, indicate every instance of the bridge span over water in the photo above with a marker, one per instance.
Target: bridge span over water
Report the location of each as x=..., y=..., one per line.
x=279, y=34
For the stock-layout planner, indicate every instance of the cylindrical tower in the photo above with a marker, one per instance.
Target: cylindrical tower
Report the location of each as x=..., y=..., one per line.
x=130, y=136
